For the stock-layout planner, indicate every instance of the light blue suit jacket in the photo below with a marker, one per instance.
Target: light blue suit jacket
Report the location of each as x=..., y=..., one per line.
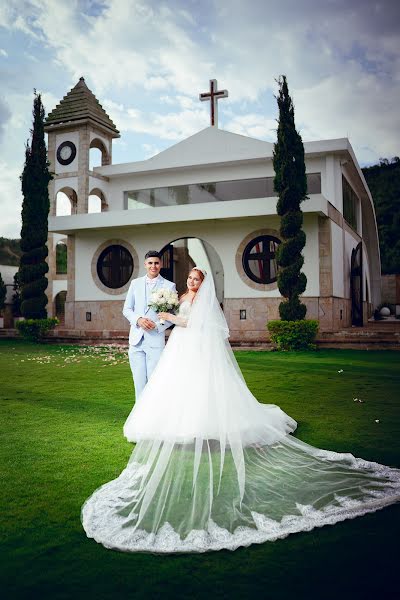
x=136, y=306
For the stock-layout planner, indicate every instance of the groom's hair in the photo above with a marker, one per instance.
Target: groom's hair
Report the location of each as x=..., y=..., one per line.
x=151, y=254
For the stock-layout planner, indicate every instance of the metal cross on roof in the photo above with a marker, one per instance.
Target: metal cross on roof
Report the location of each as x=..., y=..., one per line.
x=213, y=96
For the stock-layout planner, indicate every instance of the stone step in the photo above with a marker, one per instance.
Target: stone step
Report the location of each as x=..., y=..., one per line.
x=352, y=338
x=8, y=333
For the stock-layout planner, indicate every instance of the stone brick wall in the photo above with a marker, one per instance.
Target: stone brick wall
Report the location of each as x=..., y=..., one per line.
x=391, y=289
x=105, y=315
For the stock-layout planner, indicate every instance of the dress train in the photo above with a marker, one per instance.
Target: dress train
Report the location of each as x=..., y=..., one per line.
x=213, y=468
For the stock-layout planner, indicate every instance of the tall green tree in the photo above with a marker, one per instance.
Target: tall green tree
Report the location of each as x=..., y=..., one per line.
x=384, y=182
x=290, y=183
x=35, y=209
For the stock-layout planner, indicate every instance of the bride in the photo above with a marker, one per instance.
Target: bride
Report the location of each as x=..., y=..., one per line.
x=212, y=467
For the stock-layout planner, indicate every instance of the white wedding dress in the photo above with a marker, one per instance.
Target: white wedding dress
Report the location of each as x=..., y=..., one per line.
x=212, y=467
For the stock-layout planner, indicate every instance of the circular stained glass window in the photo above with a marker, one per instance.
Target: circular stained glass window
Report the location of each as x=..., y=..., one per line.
x=259, y=262
x=115, y=266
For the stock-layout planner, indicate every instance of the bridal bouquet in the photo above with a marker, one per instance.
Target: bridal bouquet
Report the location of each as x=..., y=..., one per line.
x=164, y=300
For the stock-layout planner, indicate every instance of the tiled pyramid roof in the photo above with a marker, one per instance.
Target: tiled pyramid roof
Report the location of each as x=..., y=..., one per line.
x=80, y=104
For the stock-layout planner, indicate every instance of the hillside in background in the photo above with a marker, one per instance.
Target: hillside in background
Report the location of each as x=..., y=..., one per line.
x=9, y=252
x=384, y=182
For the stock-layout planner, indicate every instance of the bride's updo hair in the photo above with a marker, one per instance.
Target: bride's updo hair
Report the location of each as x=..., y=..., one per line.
x=201, y=273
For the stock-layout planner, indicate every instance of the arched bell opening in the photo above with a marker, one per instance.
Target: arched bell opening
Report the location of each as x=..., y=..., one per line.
x=98, y=154
x=66, y=202
x=97, y=201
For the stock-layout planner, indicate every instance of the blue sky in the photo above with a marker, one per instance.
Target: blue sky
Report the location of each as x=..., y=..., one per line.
x=147, y=61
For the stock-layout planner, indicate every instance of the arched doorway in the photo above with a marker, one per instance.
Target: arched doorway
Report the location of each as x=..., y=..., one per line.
x=59, y=303
x=356, y=283
x=182, y=254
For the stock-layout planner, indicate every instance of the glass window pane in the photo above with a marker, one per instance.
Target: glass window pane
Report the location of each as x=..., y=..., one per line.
x=313, y=183
x=115, y=266
x=221, y=191
x=259, y=262
x=350, y=203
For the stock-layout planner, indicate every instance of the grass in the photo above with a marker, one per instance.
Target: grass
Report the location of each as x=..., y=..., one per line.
x=62, y=411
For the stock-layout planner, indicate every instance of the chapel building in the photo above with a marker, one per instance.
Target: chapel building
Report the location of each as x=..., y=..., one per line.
x=207, y=200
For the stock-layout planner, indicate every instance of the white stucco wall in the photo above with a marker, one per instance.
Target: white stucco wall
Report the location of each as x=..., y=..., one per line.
x=71, y=136
x=58, y=237
x=106, y=141
x=100, y=184
x=311, y=255
x=136, y=181
x=71, y=182
x=59, y=285
x=337, y=260
x=366, y=277
x=331, y=185
x=224, y=236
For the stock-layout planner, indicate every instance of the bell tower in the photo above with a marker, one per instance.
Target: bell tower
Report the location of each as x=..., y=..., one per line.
x=77, y=124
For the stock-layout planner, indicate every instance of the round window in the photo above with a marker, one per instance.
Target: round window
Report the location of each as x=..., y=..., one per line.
x=115, y=266
x=259, y=262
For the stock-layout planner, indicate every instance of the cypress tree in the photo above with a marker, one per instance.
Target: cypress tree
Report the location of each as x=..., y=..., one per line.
x=290, y=183
x=35, y=209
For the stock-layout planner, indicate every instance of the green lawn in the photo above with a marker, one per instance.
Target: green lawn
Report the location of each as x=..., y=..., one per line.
x=62, y=411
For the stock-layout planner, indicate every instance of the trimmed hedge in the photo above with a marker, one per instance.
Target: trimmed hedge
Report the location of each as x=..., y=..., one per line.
x=36, y=329
x=293, y=335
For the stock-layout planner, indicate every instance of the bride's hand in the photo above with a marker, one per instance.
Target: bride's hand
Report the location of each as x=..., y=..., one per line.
x=164, y=315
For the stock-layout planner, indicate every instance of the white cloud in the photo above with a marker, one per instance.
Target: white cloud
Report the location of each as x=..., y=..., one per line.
x=150, y=150
x=172, y=126
x=10, y=200
x=352, y=106
x=253, y=125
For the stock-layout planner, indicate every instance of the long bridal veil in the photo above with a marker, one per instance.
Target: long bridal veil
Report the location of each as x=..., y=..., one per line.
x=213, y=468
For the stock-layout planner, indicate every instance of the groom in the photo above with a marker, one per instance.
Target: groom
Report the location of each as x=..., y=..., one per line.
x=146, y=336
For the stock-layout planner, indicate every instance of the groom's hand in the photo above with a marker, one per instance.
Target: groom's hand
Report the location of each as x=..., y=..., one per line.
x=146, y=324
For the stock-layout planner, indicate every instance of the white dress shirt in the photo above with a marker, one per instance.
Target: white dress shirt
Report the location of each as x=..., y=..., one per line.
x=152, y=282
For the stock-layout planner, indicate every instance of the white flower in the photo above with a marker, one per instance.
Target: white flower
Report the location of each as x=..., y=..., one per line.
x=377, y=421
x=341, y=371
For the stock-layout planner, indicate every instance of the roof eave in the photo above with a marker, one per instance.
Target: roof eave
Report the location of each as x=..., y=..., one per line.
x=71, y=124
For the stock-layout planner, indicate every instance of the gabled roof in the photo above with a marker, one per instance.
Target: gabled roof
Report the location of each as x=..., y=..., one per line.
x=80, y=104
x=209, y=146
x=212, y=145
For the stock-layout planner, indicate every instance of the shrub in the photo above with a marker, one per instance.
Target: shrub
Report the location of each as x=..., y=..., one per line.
x=36, y=329
x=293, y=335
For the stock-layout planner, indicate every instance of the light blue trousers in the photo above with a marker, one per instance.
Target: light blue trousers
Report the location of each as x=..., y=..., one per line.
x=142, y=359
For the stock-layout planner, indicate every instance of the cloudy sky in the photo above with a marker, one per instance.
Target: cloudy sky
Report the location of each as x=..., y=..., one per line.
x=147, y=61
